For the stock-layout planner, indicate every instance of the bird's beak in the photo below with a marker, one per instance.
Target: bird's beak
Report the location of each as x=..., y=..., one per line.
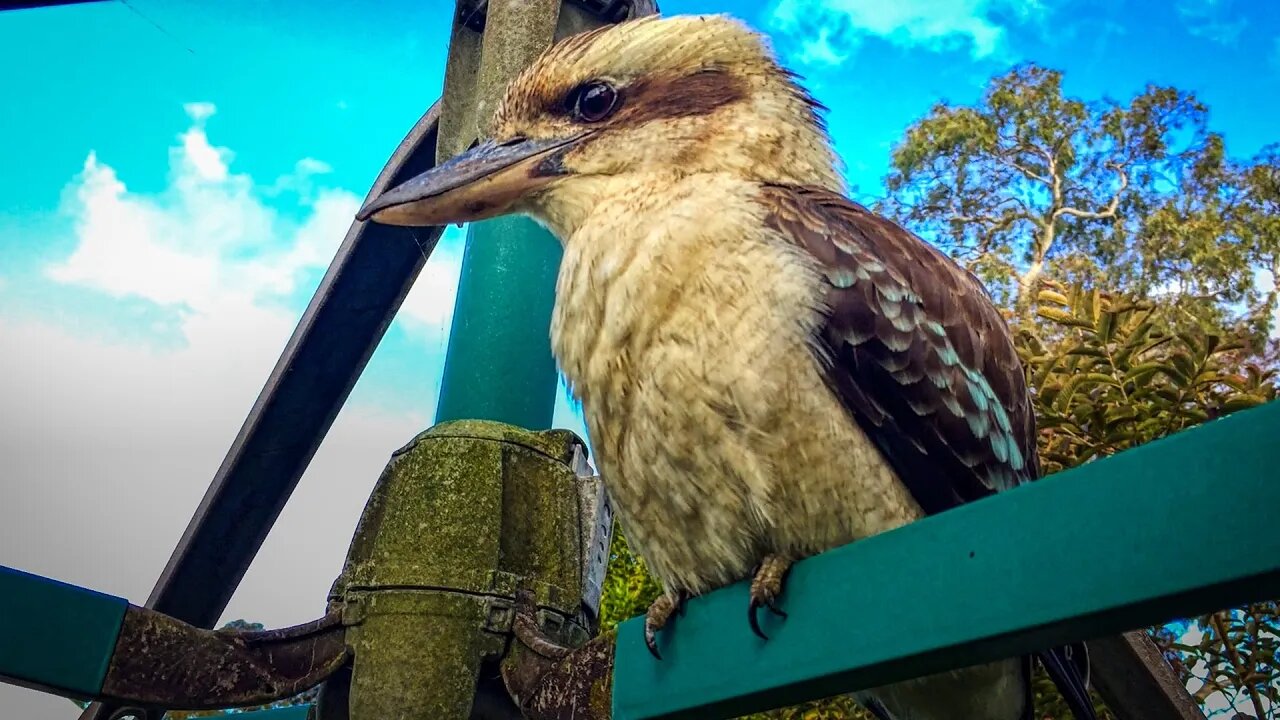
x=483, y=182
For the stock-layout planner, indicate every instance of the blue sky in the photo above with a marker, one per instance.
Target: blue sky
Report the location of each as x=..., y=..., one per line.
x=177, y=175
x=309, y=100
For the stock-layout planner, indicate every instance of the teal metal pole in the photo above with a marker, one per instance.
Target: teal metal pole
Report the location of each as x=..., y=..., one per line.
x=293, y=712
x=1098, y=549
x=56, y=637
x=498, y=365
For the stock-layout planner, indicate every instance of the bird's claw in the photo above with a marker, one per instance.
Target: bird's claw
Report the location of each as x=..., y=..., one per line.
x=651, y=639
x=766, y=587
x=754, y=619
x=659, y=614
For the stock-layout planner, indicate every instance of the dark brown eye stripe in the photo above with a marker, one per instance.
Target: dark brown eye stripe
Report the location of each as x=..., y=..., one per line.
x=661, y=98
x=652, y=97
x=676, y=96
x=664, y=97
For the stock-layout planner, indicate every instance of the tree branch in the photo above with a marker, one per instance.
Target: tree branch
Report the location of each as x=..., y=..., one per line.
x=1026, y=171
x=1237, y=663
x=1112, y=207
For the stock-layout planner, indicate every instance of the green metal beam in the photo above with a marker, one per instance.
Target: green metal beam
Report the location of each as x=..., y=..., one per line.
x=293, y=712
x=54, y=636
x=1106, y=547
x=499, y=364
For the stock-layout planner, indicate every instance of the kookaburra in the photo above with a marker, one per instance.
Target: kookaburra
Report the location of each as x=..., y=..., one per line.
x=766, y=368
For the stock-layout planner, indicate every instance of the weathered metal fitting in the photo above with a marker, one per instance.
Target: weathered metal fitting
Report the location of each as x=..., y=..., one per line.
x=485, y=508
x=474, y=13
x=418, y=654
x=162, y=662
x=464, y=518
x=597, y=524
x=577, y=686
x=500, y=616
x=504, y=617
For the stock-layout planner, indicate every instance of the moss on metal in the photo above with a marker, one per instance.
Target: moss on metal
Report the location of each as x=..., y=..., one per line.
x=417, y=654
x=460, y=518
x=474, y=506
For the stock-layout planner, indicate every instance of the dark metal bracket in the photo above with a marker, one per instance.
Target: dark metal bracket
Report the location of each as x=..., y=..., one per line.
x=474, y=13
x=161, y=662
x=357, y=299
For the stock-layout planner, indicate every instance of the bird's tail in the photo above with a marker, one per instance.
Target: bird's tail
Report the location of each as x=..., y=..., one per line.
x=1068, y=667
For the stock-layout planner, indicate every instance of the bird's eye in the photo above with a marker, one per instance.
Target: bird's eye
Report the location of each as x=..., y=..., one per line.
x=594, y=101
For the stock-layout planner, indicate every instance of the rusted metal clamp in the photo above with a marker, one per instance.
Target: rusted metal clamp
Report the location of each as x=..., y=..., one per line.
x=163, y=663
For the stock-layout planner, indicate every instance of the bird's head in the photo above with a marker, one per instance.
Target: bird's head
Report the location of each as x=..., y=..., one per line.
x=635, y=104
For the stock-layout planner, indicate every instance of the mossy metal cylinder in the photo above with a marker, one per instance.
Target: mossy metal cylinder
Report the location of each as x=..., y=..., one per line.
x=462, y=516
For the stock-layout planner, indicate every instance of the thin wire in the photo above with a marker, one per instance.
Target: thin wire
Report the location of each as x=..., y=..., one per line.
x=479, y=8
x=156, y=25
x=421, y=247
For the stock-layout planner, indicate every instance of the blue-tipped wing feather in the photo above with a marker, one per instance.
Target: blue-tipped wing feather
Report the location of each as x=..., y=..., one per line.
x=923, y=361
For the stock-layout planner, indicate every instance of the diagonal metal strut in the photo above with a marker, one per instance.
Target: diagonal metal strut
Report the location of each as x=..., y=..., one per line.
x=347, y=317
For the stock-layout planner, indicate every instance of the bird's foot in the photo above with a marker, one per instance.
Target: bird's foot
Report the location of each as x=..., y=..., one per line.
x=659, y=614
x=766, y=588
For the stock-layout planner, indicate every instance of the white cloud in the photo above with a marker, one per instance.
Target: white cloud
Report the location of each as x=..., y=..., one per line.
x=119, y=440
x=819, y=50
x=207, y=161
x=828, y=31
x=1215, y=20
x=200, y=111
x=108, y=445
x=302, y=181
x=312, y=166
x=429, y=304
x=109, y=448
x=207, y=243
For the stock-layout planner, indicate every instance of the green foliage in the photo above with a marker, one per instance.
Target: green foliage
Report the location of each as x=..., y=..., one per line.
x=1108, y=373
x=1256, y=214
x=840, y=707
x=1032, y=184
x=628, y=587
x=1125, y=241
x=1237, y=656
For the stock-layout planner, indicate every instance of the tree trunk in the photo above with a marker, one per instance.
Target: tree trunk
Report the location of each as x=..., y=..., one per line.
x=1026, y=286
x=1028, y=280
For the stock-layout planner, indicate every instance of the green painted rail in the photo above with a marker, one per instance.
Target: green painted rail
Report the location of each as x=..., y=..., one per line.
x=293, y=712
x=1103, y=548
x=55, y=636
x=499, y=365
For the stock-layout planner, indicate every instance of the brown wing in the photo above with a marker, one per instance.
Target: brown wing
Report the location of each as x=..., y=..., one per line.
x=916, y=351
